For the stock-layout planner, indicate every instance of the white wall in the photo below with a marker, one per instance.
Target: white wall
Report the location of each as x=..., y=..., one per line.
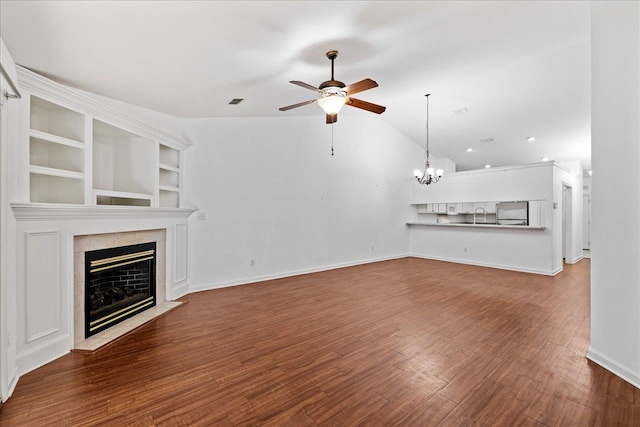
x=272, y=193
x=522, y=250
x=8, y=190
x=615, y=244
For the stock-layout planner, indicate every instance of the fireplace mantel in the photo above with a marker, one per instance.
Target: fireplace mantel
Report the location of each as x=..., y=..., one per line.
x=46, y=265
x=49, y=211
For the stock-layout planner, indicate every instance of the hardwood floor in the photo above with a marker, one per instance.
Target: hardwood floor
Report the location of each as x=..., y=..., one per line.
x=408, y=342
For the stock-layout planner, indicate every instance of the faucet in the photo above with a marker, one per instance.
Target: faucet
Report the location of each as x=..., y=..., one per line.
x=483, y=211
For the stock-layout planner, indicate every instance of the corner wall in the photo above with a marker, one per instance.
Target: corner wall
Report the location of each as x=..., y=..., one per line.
x=274, y=202
x=615, y=243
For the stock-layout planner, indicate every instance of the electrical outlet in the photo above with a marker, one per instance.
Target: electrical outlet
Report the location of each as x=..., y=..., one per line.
x=465, y=250
x=201, y=216
x=253, y=262
x=373, y=248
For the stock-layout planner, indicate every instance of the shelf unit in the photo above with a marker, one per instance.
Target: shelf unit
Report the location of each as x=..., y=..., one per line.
x=169, y=177
x=56, y=153
x=83, y=152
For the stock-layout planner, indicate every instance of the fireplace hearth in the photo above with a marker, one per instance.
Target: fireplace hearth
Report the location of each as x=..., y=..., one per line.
x=119, y=283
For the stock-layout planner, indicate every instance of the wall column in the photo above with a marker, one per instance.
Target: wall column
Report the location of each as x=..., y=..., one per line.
x=615, y=133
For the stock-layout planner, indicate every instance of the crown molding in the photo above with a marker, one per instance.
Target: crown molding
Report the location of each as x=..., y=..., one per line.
x=71, y=98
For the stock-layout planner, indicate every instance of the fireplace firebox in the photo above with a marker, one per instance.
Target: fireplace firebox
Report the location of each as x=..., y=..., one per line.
x=119, y=283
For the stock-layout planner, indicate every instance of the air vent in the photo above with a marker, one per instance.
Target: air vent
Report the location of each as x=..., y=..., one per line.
x=485, y=140
x=236, y=101
x=461, y=110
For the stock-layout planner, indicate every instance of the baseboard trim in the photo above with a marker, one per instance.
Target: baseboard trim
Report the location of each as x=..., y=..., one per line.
x=12, y=384
x=481, y=264
x=42, y=354
x=575, y=260
x=211, y=286
x=614, y=367
x=179, y=291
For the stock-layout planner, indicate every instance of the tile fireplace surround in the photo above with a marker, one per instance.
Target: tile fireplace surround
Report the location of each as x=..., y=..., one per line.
x=82, y=244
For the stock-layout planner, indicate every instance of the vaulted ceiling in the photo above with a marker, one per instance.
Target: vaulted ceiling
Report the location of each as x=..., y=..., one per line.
x=496, y=70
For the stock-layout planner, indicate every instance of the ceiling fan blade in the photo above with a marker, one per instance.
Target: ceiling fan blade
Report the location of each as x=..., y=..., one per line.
x=361, y=86
x=300, y=104
x=304, y=85
x=364, y=105
x=332, y=118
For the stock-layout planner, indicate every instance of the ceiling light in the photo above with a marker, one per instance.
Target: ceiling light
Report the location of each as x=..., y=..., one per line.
x=545, y=159
x=469, y=150
x=487, y=166
x=331, y=104
x=531, y=138
x=429, y=175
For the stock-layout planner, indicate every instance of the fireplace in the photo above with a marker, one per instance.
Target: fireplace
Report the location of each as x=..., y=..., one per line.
x=119, y=283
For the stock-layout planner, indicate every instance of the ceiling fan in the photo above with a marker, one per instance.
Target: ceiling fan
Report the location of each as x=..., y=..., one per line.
x=335, y=94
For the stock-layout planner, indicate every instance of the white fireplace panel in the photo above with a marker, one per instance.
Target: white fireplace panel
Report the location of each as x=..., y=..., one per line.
x=180, y=269
x=43, y=284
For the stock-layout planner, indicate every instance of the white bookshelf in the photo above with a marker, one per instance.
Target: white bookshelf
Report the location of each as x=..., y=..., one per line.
x=81, y=152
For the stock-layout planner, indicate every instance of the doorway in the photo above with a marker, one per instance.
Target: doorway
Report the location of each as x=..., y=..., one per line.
x=567, y=197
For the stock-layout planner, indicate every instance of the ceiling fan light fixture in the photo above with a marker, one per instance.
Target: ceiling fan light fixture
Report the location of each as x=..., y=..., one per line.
x=332, y=103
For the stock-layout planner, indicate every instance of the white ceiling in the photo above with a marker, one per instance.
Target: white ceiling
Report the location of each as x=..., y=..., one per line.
x=520, y=68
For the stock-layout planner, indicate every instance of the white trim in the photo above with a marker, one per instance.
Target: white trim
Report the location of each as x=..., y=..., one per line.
x=47, y=89
x=13, y=382
x=39, y=355
x=52, y=211
x=211, y=286
x=614, y=367
x=178, y=238
x=180, y=291
x=44, y=170
x=482, y=264
x=55, y=139
x=30, y=335
x=575, y=260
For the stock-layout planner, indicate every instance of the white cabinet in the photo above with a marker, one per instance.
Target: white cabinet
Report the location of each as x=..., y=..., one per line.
x=454, y=208
x=81, y=152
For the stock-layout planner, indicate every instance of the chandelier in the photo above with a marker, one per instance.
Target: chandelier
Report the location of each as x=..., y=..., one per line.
x=429, y=175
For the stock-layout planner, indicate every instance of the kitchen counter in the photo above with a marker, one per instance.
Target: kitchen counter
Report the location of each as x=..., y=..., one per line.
x=477, y=225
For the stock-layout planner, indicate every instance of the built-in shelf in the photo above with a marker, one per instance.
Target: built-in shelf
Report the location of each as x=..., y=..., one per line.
x=54, y=119
x=44, y=136
x=83, y=152
x=169, y=188
x=42, y=170
x=169, y=176
x=121, y=198
x=168, y=168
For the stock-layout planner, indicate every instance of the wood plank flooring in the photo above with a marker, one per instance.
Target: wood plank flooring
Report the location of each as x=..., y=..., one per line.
x=409, y=342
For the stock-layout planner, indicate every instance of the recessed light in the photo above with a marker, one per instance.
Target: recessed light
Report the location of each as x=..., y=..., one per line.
x=487, y=166
x=545, y=159
x=469, y=150
x=531, y=138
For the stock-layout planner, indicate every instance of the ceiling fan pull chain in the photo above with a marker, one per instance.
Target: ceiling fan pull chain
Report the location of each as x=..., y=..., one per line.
x=332, y=139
